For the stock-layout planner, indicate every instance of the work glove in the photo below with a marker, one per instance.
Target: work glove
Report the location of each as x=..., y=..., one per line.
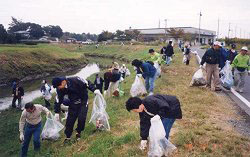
x=57, y=118
x=143, y=144
x=47, y=114
x=21, y=137
x=97, y=92
x=139, y=75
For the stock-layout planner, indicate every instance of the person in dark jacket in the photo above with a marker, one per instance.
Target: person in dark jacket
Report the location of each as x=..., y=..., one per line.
x=76, y=90
x=224, y=54
x=107, y=78
x=212, y=60
x=166, y=106
x=98, y=82
x=187, y=54
x=232, y=53
x=17, y=93
x=148, y=73
x=169, y=52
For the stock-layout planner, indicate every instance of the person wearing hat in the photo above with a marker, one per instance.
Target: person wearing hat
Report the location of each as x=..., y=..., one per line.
x=232, y=53
x=114, y=80
x=76, y=90
x=45, y=90
x=241, y=66
x=187, y=53
x=212, y=60
x=123, y=70
x=148, y=73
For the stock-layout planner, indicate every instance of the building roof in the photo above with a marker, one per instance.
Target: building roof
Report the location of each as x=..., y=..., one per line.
x=192, y=30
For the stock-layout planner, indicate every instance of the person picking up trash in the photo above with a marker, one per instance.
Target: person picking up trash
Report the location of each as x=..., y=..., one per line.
x=31, y=119
x=148, y=73
x=166, y=106
x=76, y=90
x=45, y=90
x=156, y=58
x=241, y=66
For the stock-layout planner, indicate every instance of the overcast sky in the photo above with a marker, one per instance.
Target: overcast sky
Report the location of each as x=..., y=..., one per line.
x=96, y=15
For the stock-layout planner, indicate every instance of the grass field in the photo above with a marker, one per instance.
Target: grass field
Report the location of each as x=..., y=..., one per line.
x=203, y=131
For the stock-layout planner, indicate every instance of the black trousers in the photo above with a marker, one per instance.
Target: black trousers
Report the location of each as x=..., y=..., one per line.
x=76, y=112
x=14, y=102
x=106, y=84
x=99, y=87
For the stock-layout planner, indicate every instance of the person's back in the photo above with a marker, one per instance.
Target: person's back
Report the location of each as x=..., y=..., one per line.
x=211, y=56
x=148, y=70
x=169, y=50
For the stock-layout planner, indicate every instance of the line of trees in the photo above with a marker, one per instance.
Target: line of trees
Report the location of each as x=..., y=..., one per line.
x=119, y=35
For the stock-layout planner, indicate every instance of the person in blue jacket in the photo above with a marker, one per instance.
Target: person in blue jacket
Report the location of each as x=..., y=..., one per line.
x=148, y=73
x=223, y=57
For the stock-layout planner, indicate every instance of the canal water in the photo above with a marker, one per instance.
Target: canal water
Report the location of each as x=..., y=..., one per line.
x=32, y=88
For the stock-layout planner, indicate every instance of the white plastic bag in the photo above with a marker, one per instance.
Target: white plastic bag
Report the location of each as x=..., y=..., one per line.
x=138, y=87
x=99, y=116
x=158, y=68
x=127, y=72
x=184, y=59
x=227, y=76
x=51, y=129
x=198, y=78
x=158, y=143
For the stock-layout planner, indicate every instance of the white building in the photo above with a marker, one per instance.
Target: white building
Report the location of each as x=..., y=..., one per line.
x=149, y=34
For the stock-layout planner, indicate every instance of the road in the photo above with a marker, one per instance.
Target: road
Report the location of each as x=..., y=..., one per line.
x=246, y=93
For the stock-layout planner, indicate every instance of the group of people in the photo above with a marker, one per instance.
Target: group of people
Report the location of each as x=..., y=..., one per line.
x=73, y=92
x=215, y=59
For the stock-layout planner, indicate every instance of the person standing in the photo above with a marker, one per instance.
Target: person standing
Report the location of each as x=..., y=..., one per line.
x=232, y=53
x=241, y=66
x=17, y=94
x=114, y=80
x=124, y=71
x=45, y=90
x=187, y=54
x=98, y=82
x=31, y=119
x=148, y=73
x=76, y=90
x=166, y=106
x=212, y=60
x=169, y=52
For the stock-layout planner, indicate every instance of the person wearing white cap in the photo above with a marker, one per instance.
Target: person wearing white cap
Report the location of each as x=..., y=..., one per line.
x=212, y=60
x=241, y=66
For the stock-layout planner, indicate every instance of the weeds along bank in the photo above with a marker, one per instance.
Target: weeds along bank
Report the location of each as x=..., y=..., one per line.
x=29, y=62
x=204, y=130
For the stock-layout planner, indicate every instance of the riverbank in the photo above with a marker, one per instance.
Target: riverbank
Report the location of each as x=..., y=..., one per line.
x=205, y=130
x=26, y=62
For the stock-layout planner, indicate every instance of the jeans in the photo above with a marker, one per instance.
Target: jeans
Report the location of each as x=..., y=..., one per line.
x=150, y=82
x=29, y=130
x=167, y=123
x=168, y=60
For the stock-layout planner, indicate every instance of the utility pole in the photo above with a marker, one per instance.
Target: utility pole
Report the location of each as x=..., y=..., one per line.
x=200, y=27
x=218, y=29
x=229, y=30
x=235, y=31
x=159, y=26
x=240, y=32
x=166, y=28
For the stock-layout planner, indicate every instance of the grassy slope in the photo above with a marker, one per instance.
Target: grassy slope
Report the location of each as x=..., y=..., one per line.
x=203, y=131
x=20, y=61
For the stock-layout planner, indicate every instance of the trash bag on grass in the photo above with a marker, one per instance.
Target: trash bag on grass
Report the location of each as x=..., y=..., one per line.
x=99, y=116
x=51, y=129
x=198, y=78
x=227, y=76
x=158, y=143
x=138, y=87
